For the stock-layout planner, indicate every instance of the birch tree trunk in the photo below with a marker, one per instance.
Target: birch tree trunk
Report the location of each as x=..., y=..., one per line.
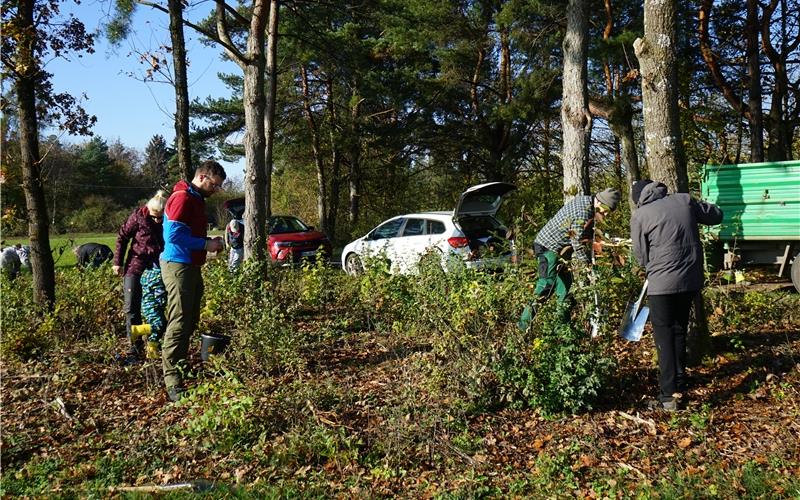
x=575, y=118
x=659, y=72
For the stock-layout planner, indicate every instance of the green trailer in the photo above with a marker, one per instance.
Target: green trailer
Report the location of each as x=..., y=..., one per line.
x=761, y=205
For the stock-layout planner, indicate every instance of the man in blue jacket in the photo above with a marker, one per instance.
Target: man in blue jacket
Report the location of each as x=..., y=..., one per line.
x=185, y=247
x=666, y=242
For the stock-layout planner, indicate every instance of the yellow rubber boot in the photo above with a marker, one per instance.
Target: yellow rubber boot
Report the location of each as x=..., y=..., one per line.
x=152, y=350
x=138, y=331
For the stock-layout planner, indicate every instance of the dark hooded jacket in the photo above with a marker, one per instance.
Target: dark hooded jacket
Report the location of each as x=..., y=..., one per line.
x=666, y=239
x=146, y=238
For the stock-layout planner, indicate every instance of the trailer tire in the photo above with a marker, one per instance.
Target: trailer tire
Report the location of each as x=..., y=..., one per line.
x=796, y=272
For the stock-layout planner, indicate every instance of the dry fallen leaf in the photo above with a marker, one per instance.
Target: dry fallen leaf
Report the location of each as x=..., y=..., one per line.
x=684, y=443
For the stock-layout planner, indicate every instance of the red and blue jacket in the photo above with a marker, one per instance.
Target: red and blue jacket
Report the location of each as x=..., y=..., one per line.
x=185, y=226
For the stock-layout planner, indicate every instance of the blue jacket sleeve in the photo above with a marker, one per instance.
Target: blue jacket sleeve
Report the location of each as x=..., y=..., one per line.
x=181, y=236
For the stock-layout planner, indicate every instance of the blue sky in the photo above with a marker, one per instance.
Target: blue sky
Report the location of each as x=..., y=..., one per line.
x=127, y=108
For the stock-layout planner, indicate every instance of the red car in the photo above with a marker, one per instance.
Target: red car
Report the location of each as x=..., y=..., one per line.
x=290, y=239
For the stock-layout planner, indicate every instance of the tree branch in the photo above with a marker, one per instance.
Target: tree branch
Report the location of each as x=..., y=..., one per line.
x=713, y=64
x=227, y=44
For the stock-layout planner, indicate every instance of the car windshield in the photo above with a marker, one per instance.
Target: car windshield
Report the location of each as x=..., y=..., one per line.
x=278, y=225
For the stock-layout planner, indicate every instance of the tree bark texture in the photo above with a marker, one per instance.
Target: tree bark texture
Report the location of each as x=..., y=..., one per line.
x=255, y=213
x=175, y=8
x=575, y=118
x=619, y=115
x=316, y=151
x=754, y=87
x=781, y=127
x=354, y=175
x=336, y=163
x=269, y=117
x=658, y=63
x=44, y=284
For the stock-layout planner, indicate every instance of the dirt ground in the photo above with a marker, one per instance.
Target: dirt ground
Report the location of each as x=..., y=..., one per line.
x=82, y=414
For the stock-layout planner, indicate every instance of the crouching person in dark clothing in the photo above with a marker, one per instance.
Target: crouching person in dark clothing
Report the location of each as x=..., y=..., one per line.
x=666, y=242
x=92, y=254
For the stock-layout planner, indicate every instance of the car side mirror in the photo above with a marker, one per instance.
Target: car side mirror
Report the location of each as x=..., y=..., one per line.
x=310, y=228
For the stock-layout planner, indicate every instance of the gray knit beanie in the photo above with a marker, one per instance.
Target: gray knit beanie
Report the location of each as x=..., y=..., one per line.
x=609, y=197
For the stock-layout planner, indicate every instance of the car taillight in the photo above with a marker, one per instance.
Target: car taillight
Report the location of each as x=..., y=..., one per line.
x=458, y=241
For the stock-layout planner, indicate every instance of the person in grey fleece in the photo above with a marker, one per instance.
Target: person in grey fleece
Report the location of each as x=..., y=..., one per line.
x=666, y=242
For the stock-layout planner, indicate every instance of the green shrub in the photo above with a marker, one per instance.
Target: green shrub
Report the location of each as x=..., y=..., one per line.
x=252, y=307
x=561, y=368
x=220, y=413
x=26, y=326
x=99, y=214
x=751, y=310
x=88, y=305
x=465, y=316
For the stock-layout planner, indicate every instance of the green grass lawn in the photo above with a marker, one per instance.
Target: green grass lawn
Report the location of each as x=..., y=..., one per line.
x=62, y=244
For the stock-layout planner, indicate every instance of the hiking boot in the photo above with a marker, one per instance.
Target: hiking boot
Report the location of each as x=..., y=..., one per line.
x=176, y=393
x=128, y=359
x=669, y=405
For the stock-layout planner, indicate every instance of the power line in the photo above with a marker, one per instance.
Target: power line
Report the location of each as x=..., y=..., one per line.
x=103, y=186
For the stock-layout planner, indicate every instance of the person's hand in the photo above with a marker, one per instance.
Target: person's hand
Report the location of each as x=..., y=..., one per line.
x=117, y=270
x=214, y=244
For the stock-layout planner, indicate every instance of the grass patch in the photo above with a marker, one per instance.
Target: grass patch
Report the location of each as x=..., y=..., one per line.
x=62, y=245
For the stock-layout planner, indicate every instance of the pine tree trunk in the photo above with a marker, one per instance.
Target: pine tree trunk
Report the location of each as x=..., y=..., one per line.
x=336, y=162
x=575, y=118
x=44, y=283
x=316, y=152
x=659, y=72
x=181, y=88
x=269, y=117
x=355, y=163
x=754, y=73
x=664, y=147
x=255, y=213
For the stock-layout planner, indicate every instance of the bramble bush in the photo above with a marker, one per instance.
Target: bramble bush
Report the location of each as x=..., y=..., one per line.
x=256, y=307
x=752, y=310
x=479, y=358
x=88, y=306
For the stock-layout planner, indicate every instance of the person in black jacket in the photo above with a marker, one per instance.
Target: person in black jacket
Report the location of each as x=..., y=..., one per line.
x=92, y=254
x=666, y=242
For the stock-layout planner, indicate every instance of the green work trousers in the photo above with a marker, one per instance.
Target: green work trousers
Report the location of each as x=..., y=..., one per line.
x=552, y=276
x=184, y=284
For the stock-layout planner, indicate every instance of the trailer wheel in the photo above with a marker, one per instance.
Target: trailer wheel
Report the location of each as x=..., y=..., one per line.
x=796, y=272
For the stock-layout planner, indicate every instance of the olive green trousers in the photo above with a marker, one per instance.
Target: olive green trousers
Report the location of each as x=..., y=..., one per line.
x=184, y=284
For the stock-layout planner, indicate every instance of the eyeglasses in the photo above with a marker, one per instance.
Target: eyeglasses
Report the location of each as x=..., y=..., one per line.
x=214, y=185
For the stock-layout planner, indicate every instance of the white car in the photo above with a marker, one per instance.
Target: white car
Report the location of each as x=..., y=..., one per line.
x=469, y=235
